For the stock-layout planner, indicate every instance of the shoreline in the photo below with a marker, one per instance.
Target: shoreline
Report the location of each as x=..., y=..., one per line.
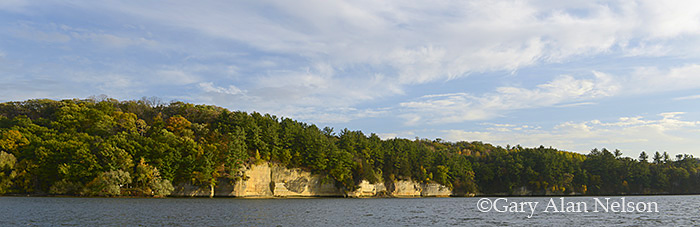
x=342, y=197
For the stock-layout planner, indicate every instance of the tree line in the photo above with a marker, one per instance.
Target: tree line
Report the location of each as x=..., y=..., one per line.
x=106, y=147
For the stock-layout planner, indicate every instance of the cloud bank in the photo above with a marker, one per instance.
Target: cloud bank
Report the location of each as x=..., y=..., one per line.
x=444, y=65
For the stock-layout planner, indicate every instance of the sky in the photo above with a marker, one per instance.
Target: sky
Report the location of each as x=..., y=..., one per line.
x=573, y=75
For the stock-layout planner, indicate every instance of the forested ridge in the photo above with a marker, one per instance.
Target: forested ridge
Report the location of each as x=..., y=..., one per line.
x=144, y=147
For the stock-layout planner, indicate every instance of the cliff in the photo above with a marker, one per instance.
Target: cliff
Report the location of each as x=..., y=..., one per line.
x=268, y=180
x=299, y=183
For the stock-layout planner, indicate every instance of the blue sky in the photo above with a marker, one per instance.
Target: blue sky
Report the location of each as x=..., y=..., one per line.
x=569, y=74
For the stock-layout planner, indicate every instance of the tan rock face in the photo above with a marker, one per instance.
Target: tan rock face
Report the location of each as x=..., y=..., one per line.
x=296, y=182
x=367, y=189
x=256, y=182
x=435, y=190
x=405, y=188
x=273, y=180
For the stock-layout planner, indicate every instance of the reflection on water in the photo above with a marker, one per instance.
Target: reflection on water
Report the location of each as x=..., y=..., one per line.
x=673, y=211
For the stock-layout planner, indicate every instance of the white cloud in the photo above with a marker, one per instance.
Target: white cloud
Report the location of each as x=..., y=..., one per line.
x=48, y=34
x=72, y=84
x=648, y=50
x=576, y=104
x=174, y=76
x=670, y=19
x=321, y=59
x=13, y=5
x=55, y=33
x=337, y=115
x=428, y=41
x=115, y=41
x=353, y=52
x=460, y=107
x=630, y=134
x=563, y=91
x=209, y=87
x=645, y=80
x=319, y=86
x=392, y=135
x=104, y=39
x=109, y=83
x=313, y=94
x=687, y=97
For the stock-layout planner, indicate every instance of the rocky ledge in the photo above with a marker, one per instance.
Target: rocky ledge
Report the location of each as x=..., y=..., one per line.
x=269, y=180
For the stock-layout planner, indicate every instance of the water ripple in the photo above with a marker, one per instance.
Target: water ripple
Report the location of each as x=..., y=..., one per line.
x=50, y=211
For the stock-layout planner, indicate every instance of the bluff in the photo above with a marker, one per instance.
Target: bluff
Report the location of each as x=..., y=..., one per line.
x=269, y=180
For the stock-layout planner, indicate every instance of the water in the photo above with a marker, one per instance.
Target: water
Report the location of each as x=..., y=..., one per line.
x=48, y=211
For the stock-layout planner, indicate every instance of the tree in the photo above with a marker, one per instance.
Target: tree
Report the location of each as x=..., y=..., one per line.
x=112, y=157
x=328, y=131
x=108, y=183
x=235, y=152
x=7, y=171
x=442, y=175
x=126, y=121
x=657, y=158
x=178, y=125
x=643, y=157
x=666, y=157
x=618, y=153
x=10, y=140
x=149, y=182
x=90, y=147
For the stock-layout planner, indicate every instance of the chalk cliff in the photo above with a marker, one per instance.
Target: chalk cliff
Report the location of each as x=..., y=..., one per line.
x=435, y=190
x=267, y=180
x=367, y=189
x=255, y=183
x=298, y=183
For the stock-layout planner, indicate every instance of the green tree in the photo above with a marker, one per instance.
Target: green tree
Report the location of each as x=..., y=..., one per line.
x=7, y=171
x=658, y=159
x=108, y=183
x=148, y=181
x=643, y=157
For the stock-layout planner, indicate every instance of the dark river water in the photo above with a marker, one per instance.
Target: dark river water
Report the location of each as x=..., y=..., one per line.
x=509, y=211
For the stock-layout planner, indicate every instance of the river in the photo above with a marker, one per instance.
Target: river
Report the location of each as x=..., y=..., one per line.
x=550, y=211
